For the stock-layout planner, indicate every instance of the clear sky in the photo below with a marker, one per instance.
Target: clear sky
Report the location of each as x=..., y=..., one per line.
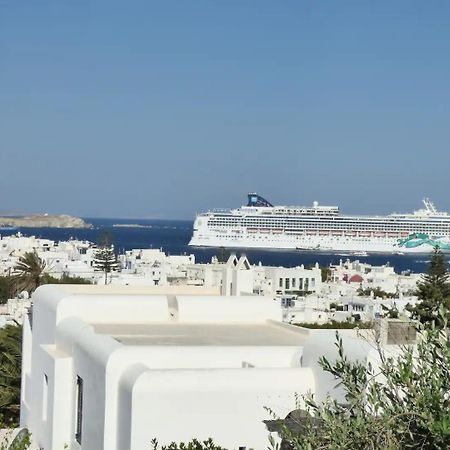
x=161, y=109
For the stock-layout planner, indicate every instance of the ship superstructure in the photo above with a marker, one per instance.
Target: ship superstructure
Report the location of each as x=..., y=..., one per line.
x=260, y=224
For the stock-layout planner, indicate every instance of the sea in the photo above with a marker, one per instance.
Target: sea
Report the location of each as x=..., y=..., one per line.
x=172, y=236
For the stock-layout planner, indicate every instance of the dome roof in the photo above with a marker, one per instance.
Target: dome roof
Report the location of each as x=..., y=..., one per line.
x=355, y=279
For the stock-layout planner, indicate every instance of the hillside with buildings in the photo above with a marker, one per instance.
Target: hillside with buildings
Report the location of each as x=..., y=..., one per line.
x=191, y=340
x=346, y=292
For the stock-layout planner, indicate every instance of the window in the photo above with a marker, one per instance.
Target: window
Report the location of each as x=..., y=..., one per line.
x=293, y=282
x=281, y=283
x=45, y=397
x=79, y=410
x=286, y=286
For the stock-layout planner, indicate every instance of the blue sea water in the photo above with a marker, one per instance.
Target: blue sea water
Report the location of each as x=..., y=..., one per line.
x=172, y=236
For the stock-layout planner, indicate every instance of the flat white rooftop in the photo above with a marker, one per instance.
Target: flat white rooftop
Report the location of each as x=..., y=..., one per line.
x=201, y=334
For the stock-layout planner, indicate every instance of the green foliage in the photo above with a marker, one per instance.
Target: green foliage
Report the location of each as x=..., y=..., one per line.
x=105, y=239
x=334, y=325
x=21, y=442
x=68, y=279
x=404, y=404
x=377, y=293
x=10, y=369
x=433, y=291
x=29, y=272
x=222, y=255
x=6, y=289
x=391, y=313
x=192, y=445
x=105, y=258
x=325, y=273
x=65, y=279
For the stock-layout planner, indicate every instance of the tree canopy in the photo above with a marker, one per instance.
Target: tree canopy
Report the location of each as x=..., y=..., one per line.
x=10, y=369
x=6, y=289
x=28, y=273
x=402, y=404
x=105, y=258
x=433, y=291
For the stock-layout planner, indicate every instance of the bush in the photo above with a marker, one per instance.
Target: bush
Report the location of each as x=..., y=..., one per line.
x=377, y=293
x=404, y=404
x=65, y=279
x=334, y=325
x=192, y=445
x=10, y=370
x=6, y=289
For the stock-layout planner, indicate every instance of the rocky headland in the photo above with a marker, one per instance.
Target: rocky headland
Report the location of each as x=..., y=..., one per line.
x=44, y=221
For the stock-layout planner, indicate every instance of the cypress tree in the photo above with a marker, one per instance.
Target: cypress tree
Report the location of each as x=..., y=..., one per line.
x=433, y=291
x=105, y=258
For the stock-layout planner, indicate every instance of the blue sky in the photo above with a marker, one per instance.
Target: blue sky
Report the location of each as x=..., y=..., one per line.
x=161, y=109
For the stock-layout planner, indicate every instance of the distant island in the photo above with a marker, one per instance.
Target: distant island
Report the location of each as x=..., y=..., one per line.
x=131, y=225
x=44, y=221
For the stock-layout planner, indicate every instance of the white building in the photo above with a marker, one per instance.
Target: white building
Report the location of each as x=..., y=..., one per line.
x=14, y=310
x=152, y=267
x=352, y=275
x=73, y=257
x=110, y=368
x=238, y=277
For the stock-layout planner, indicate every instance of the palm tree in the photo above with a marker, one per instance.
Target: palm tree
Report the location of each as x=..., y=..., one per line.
x=10, y=368
x=29, y=272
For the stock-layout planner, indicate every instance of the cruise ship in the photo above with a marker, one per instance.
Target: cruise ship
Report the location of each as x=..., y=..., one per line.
x=262, y=225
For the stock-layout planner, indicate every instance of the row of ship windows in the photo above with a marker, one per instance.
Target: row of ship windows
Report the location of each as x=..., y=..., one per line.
x=396, y=229
x=283, y=222
x=333, y=219
x=323, y=222
x=379, y=240
x=303, y=221
x=326, y=224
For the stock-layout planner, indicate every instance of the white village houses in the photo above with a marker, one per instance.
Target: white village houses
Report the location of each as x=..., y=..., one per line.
x=111, y=367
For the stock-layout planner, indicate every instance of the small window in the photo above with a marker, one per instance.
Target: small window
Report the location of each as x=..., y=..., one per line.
x=45, y=397
x=79, y=410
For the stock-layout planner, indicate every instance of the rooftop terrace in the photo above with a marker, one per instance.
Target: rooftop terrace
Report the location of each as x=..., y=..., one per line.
x=202, y=334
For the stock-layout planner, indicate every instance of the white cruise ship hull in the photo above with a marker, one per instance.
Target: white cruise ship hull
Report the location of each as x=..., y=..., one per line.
x=310, y=243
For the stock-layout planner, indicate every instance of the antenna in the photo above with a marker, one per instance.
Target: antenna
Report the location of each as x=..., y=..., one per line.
x=429, y=206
